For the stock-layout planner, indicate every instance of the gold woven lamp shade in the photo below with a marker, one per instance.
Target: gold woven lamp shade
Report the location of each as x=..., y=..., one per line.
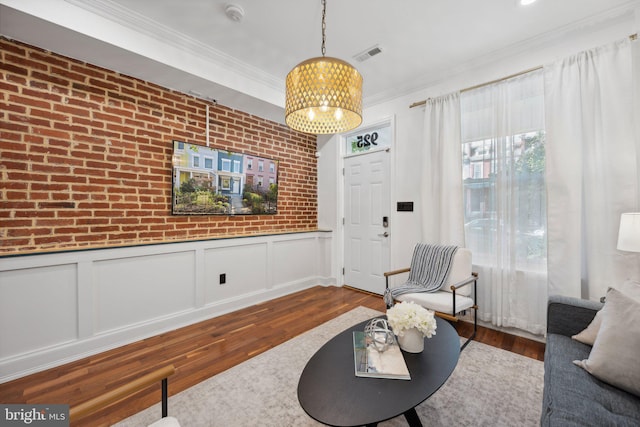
x=324, y=96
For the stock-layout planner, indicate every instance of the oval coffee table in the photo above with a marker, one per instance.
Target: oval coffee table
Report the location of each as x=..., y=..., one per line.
x=330, y=392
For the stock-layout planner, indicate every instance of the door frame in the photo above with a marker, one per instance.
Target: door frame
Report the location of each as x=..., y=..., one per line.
x=342, y=154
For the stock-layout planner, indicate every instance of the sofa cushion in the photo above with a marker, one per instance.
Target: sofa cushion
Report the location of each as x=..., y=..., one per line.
x=614, y=356
x=438, y=301
x=573, y=397
x=630, y=288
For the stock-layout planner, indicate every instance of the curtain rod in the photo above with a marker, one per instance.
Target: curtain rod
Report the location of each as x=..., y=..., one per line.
x=423, y=102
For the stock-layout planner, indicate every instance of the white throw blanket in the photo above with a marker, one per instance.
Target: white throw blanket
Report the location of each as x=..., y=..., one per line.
x=430, y=268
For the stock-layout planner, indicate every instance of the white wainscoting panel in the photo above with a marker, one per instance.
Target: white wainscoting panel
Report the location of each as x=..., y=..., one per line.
x=142, y=288
x=292, y=258
x=60, y=307
x=245, y=267
x=29, y=295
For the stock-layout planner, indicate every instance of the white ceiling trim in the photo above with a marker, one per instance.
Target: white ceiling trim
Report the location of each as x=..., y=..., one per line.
x=136, y=22
x=539, y=41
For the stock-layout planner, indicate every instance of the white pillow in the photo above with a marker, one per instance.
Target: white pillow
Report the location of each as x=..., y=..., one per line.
x=588, y=335
x=614, y=356
x=630, y=288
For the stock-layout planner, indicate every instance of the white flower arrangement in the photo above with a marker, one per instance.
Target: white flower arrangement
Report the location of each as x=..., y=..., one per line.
x=407, y=315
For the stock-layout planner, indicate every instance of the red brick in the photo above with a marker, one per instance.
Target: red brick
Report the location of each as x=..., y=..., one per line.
x=15, y=69
x=93, y=149
x=89, y=89
x=88, y=70
x=48, y=58
x=68, y=178
x=15, y=223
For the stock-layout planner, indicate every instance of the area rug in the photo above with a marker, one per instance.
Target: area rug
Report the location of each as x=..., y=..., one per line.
x=489, y=387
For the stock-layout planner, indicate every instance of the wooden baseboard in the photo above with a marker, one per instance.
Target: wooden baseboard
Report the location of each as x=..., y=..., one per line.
x=362, y=291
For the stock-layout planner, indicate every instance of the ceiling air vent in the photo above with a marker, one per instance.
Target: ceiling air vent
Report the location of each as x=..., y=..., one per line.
x=368, y=53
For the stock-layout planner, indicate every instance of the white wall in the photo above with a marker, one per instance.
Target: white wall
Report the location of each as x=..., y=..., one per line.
x=58, y=307
x=405, y=227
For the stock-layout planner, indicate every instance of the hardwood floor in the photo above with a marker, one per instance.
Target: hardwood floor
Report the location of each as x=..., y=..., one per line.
x=207, y=348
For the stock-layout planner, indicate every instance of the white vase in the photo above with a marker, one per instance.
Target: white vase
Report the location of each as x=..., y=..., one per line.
x=412, y=341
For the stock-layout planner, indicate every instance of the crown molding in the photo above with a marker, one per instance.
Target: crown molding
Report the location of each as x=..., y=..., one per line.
x=624, y=12
x=134, y=21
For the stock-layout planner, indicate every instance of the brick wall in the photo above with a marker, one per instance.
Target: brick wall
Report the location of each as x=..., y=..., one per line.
x=85, y=158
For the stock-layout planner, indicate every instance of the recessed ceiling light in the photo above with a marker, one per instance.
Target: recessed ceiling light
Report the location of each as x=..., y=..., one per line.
x=526, y=2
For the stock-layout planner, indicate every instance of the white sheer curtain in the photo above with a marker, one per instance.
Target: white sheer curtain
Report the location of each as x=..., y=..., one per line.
x=441, y=181
x=504, y=199
x=592, y=167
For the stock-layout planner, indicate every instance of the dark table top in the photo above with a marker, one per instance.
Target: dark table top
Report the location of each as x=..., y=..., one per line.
x=330, y=392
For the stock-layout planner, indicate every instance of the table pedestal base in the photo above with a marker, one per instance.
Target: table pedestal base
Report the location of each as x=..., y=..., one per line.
x=412, y=418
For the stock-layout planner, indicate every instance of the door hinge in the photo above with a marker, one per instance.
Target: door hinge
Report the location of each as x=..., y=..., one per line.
x=342, y=171
x=342, y=220
x=343, y=271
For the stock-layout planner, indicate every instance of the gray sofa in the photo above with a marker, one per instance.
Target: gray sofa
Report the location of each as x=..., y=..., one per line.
x=572, y=396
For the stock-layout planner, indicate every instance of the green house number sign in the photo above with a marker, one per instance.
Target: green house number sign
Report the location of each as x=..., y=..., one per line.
x=370, y=139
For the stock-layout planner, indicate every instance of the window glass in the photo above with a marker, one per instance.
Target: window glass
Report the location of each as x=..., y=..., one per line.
x=225, y=183
x=503, y=171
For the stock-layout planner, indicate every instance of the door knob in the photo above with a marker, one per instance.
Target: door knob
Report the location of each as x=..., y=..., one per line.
x=385, y=234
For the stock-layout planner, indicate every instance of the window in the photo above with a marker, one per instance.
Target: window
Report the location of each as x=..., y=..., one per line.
x=226, y=165
x=272, y=167
x=503, y=169
x=260, y=166
x=196, y=161
x=208, y=163
x=249, y=164
x=225, y=183
x=260, y=181
x=236, y=166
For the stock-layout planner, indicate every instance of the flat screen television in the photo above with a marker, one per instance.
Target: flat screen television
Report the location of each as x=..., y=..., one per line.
x=209, y=181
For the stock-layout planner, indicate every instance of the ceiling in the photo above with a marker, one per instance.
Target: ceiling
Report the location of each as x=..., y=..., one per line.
x=421, y=42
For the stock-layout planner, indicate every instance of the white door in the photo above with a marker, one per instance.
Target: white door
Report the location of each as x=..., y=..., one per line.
x=366, y=222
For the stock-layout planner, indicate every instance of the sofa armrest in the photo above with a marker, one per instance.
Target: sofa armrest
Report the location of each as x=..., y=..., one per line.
x=568, y=316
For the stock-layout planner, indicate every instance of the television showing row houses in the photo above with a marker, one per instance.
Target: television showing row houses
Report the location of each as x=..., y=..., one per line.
x=208, y=181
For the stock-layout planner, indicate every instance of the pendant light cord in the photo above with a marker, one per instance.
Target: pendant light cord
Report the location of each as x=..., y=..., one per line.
x=324, y=25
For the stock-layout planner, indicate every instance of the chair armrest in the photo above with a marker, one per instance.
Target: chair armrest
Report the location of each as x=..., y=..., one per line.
x=469, y=280
x=104, y=400
x=391, y=273
x=569, y=316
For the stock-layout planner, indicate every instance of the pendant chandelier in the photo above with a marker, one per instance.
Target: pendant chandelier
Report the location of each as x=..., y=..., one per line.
x=323, y=94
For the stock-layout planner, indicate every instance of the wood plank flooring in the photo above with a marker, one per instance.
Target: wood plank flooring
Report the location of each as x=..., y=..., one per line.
x=207, y=348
